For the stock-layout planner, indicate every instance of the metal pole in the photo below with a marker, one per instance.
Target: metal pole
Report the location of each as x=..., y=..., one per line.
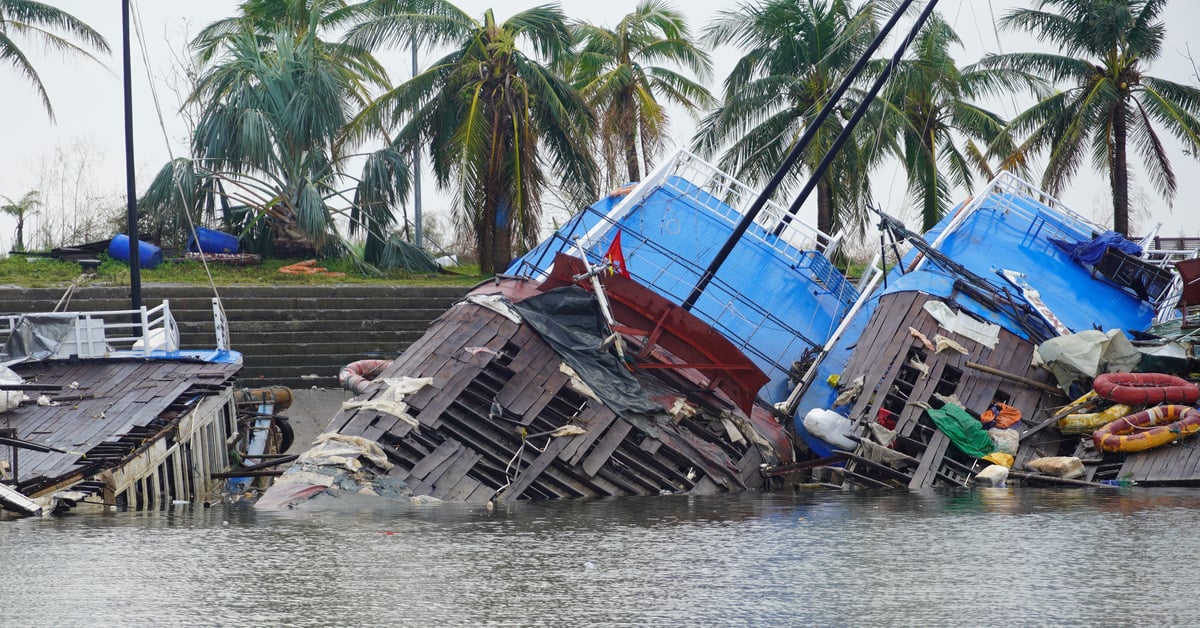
x=853, y=122
x=418, y=234
x=135, y=269
x=798, y=149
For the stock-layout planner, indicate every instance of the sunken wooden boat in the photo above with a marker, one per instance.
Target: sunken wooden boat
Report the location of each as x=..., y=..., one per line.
x=117, y=415
x=520, y=392
x=957, y=325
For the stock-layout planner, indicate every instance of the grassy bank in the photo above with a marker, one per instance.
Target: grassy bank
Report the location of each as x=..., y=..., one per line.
x=34, y=272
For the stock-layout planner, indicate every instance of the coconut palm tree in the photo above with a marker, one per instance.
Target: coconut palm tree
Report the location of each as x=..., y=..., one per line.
x=48, y=26
x=19, y=209
x=266, y=18
x=929, y=105
x=795, y=54
x=496, y=120
x=270, y=148
x=619, y=72
x=1108, y=100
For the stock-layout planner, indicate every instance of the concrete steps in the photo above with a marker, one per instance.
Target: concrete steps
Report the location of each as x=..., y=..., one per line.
x=297, y=336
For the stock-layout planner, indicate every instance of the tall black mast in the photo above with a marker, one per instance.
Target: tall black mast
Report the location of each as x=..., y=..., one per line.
x=797, y=150
x=135, y=267
x=819, y=172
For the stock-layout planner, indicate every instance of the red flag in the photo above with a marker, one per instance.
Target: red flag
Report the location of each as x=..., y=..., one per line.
x=616, y=257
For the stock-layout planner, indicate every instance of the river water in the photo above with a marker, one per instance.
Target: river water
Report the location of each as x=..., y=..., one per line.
x=988, y=557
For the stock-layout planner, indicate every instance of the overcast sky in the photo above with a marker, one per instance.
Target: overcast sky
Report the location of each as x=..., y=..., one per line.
x=87, y=100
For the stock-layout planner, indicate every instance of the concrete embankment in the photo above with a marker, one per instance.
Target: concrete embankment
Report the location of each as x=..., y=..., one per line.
x=296, y=336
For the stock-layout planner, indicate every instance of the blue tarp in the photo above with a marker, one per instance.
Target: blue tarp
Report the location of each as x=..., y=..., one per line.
x=1092, y=251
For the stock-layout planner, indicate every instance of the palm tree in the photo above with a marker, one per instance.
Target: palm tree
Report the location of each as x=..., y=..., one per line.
x=27, y=205
x=266, y=18
x=270, y=149
x=928, y=105
x=617, y=73
x=1107, y=47
x=42, y=24
x=496, y=122
x=796, y=53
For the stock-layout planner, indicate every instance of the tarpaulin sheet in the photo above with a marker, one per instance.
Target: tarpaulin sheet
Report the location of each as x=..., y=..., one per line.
x=1086, y=354
x=964, y=430
x=37, y=336
x=569, y=319
x=1091, y=251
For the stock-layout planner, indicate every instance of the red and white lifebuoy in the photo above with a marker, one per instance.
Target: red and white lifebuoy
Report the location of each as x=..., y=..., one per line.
x=1145, y=389
x=1148, y=429
x=358, y=376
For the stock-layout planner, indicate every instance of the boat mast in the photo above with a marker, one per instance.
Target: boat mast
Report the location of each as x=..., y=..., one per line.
x=135, y=268
x=819, y=172
x=800, y=146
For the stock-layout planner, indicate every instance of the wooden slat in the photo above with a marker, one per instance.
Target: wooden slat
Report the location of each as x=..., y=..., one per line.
x=532, y=405
x=528, y=380
x=597, y=419
x=447, y=392
x=924, y=475
x=435, y=458
x=530, y=474
x=603, y=450
x=460, y=491
x=450, y=478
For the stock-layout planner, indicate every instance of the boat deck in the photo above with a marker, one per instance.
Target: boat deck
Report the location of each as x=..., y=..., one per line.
x=106, y=410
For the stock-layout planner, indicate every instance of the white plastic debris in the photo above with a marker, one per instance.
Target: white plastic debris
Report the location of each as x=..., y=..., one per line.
x=830, y=427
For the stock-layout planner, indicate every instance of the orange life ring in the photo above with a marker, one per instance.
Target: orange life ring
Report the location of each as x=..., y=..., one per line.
x=1145, y=389
x=357, y=376
x=1148, y=429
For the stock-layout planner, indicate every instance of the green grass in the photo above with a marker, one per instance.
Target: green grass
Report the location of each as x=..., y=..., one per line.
x=45, y=272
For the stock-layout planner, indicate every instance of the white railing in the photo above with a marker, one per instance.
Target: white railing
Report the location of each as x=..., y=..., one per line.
x=724, y=196
x=1005, y=193
x=103, y=333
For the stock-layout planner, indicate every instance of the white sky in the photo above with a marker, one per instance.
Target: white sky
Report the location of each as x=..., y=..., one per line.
x=88, y=101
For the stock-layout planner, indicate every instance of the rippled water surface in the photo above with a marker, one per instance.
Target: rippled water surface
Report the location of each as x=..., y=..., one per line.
x=995, y=557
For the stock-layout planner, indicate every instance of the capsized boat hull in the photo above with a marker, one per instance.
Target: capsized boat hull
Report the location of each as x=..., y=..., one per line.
x=493, y=410
x=997, y=272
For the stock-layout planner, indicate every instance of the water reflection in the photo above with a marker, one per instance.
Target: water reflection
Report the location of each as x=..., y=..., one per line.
x=812, y=558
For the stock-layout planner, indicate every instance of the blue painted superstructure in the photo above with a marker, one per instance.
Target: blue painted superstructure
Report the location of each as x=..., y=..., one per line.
x=775, y=297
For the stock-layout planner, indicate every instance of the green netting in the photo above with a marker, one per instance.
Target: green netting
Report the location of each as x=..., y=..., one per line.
x=964, y=430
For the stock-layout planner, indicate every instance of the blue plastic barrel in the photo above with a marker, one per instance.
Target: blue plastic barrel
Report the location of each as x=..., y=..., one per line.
x=149, y=255
x=210, y=241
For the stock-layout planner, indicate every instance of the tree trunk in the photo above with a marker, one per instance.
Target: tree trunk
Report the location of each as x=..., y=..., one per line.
x=631, y=156
x=825, y=205
x=503, y=230
x=1119, y=171
x=929, y=213
x=485, y=239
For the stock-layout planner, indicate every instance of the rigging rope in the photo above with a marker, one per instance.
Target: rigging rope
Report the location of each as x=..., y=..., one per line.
x=187, y=211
